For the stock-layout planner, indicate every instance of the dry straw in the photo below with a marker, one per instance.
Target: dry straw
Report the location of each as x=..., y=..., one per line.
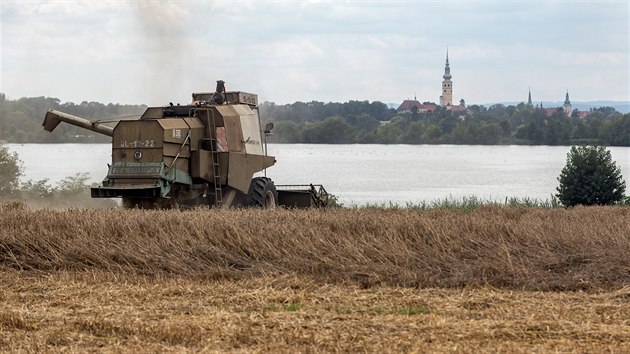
x=100, y=311
x=526, y=248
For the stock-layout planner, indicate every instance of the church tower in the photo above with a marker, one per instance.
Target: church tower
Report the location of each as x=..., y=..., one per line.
x=566, y=107
x=447, y=86
x=529, y=99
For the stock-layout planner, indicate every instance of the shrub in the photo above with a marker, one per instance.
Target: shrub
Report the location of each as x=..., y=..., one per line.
x=590, y=177
x=72, y=191
x=10, y=172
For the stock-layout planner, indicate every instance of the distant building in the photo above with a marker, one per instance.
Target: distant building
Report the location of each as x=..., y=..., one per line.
x=447, y=86
x=428, y=107
x=582, y=114
x=550, y=111
x=408, y=106
x=567, y=108
x=461, y=107
x=446, y=99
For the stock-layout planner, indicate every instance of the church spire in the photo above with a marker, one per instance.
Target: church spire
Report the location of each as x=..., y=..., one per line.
x=447, y=69
x=446, y=55
x=529, y=98
x=567, y=108
x=446, y=99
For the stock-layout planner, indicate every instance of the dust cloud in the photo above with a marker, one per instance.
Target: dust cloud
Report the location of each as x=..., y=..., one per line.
x=164, y=39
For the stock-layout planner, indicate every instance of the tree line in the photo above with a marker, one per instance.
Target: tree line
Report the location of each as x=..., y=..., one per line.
x=352, y=122
x=21, y=119
x=373, y=123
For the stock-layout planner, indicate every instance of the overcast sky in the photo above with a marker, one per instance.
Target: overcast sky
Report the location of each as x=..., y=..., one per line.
x=154, y=52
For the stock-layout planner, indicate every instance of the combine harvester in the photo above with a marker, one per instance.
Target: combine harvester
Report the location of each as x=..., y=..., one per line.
x=205, y=153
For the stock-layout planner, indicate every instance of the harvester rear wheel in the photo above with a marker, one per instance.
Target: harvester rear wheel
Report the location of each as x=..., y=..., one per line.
x=262, y=193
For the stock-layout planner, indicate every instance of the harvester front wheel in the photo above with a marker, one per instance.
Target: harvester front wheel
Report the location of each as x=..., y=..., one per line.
x=141, y=203
x=262, y=193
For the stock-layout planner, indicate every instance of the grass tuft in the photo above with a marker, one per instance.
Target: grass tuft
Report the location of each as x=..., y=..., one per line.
x=468, y=204
x=292, y=307
x=413, y=310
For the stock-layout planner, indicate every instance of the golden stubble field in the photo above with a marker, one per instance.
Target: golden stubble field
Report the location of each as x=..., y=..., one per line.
x=375, y=280
x=107, y=312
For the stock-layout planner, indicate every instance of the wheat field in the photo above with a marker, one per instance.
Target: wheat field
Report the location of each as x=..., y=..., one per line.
x=376, y=280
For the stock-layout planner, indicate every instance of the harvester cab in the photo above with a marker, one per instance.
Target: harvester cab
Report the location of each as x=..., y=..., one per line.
x=204, y=153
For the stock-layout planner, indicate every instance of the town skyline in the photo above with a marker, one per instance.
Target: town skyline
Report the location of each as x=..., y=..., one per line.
x=446, y=100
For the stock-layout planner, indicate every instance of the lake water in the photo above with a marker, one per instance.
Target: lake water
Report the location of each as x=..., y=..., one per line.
x=360, y=174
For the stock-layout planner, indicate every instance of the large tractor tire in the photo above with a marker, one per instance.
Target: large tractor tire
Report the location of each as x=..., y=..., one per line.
x=262, y=193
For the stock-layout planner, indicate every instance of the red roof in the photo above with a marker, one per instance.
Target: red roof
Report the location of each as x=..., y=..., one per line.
x=407, y=105
x=456, y=108
x=582, y=114
x=550, y=111
x=429, y=106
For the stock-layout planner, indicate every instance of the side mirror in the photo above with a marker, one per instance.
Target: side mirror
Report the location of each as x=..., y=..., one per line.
x=268, y=128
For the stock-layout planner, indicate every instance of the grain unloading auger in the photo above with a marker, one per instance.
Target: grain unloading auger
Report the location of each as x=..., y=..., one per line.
x=204, y=153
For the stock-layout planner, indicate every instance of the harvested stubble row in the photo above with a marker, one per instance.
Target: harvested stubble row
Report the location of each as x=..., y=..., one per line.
x=106, y=312
x=527, y=248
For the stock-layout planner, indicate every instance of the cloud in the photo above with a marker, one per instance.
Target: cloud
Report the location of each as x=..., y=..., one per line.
x=154, y=52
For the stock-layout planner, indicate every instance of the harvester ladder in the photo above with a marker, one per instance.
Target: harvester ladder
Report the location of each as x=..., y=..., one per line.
x=216, y=167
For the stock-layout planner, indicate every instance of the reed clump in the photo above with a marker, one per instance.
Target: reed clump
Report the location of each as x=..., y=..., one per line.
x=508, y=247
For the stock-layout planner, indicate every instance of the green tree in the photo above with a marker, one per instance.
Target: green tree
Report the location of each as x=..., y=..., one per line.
x=457, y=136
x=74, y=185
x=616, y=131
x=472, y=133
x=366, y=138
x=10, y=172
x=530, y=132
x=363, y=122
x=388, y=134
x=433, y=133
x=590, y=177
x=506, y=130
x=414, y=134
x=332, y=130
x=490, y=134
x=37, y=189
x=285, y=132
x=448, y=124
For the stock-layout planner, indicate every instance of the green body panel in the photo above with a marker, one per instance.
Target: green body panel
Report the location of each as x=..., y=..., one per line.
x=140, y=179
